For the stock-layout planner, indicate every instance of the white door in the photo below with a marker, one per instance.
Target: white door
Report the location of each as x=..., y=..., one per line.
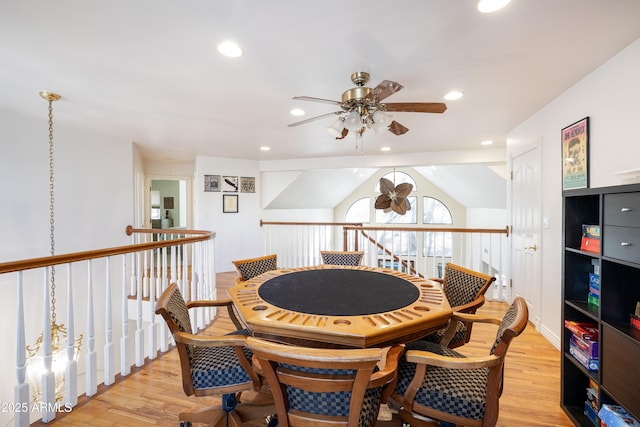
x=525, y=233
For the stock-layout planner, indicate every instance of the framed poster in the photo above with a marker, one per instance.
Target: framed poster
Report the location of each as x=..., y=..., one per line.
x=212, y=183
x=575, y=155
x=230, y=184
x=247, y=184
x=230, y=203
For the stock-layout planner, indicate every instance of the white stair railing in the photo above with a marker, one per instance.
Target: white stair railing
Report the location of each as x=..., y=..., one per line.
x=134, y=276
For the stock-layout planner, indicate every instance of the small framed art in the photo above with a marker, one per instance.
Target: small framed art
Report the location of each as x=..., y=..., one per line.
x=575, y=155
x=212, y=183
x=247, y=184
x=230, y=203
x=230, y=184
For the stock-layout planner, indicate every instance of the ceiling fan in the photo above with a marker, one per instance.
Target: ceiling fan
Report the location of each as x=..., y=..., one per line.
x=361, y=108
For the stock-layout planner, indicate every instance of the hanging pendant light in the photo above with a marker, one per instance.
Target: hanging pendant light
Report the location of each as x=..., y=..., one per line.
x=60, y=354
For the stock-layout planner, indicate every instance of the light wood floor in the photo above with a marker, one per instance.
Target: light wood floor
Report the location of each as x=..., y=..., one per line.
x=153, y=394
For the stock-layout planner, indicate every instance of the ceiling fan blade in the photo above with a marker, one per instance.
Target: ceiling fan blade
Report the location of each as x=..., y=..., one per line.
x=397, y=129
x=384, y=89
x=310, y=98
x=417, y=107
x=335, y=113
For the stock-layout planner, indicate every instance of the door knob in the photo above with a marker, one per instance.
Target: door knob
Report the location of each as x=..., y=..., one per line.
x=533, y=248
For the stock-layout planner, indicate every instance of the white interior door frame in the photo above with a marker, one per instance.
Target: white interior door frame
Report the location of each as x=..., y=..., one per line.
x=188, y=203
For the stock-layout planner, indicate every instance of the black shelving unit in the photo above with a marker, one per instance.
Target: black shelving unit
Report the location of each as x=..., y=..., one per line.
x=617, y=211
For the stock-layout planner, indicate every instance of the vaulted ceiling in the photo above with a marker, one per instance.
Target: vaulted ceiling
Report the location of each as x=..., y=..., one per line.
x=148, y=70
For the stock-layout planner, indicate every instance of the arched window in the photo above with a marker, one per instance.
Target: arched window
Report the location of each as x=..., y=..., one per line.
x=359, y=211
x=436, y=244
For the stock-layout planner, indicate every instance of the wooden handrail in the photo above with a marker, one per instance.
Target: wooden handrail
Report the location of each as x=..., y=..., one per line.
x=28, y=264
x=436, y=229
x=341, y=224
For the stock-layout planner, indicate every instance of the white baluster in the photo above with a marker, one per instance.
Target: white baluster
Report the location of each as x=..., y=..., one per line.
x=125, y=365
x=139, y=338
x=21, y=390
x=162, y=330
x=145, y=276
x=133, y=280
x=71, y=370
x=109, y=356
x=91, y=357
x=48, y=377
x=153, y=352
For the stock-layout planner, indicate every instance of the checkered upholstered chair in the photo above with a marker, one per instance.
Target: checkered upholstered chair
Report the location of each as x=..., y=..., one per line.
x=464, y=289
x=210, y=364
x=353, y=258
x=325, y=387
x=252, y=267
x=437, y=382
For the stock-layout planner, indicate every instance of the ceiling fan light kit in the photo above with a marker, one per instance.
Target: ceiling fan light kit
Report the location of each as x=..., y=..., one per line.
x=362, y=109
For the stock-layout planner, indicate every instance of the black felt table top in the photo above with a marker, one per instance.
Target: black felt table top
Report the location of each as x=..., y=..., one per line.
x=338, y=292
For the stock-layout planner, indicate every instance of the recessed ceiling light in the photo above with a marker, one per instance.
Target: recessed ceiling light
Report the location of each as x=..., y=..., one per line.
x=385, y=149
x=488, y=6
x=453, y=95
x=297, y=112
x=487, y=142
x=265, y=148
x=230, y=49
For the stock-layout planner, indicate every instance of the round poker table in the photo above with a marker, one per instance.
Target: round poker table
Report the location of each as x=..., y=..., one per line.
x=340, y=306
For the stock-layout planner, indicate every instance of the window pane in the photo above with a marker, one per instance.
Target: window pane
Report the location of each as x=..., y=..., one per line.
x=435, y=212
x=411, y=217
x=400, y=243
x=438, y=244
x=359, y=211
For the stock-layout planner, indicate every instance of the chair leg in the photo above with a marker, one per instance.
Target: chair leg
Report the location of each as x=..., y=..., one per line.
x=210, y=415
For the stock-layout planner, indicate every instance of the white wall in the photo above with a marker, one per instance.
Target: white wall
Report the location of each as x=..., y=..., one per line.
x=610, y=97
x=237, y=234
x=93, y=205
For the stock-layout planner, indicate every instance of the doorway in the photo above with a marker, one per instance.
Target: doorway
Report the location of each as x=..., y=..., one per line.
x=168, y=202
x=525, y=197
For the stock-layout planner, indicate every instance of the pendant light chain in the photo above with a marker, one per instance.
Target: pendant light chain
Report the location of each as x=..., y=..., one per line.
x=50, y=97
x=52, y=214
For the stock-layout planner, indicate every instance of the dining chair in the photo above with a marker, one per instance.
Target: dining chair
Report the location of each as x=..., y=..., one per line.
x=464, y=289
x=353, y=258
x=440, y=384
x=210, y=364
x=325, y=387
x=252, y=267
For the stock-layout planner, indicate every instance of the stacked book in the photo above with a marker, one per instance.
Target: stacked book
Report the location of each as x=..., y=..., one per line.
x=616, y=416
x=583, y=344
x=592, y=403
x=593, y=297
x=590, y=238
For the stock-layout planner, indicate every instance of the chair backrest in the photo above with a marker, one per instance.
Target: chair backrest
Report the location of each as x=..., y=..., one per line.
x=210, y=368
x=252, y=267
x=353, y=258
x=462, y=285
x=324, y=387
x=514, y=321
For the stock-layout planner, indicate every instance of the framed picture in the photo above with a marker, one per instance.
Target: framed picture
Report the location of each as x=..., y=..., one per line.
x=212, y=183
x=230, y=203
x=230, y=184
x=247, y=184
x=575, y=155
x=168, y=203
